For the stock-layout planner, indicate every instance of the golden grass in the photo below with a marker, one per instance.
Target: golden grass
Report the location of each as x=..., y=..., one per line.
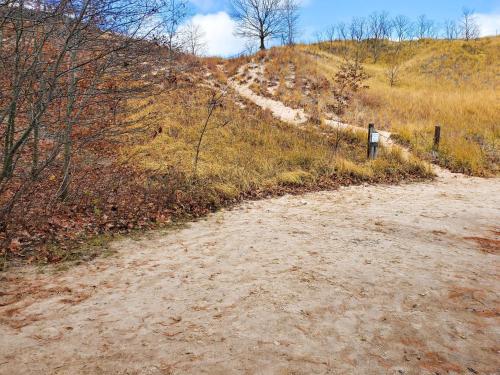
x=454, y=84
x=254, y=152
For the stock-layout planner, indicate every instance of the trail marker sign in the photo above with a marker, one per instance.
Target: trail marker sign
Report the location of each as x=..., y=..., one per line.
x=373, y=140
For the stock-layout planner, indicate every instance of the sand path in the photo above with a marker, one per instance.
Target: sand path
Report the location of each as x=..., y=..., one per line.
x=367, y=280
x=364, y=280
x=254, y=73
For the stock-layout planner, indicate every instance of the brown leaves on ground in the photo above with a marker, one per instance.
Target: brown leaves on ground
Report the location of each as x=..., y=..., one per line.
x=487, y=245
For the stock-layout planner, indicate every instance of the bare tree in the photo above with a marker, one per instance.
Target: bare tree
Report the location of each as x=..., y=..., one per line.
x=357, y=29
x=425, y=28
x=330, y=34
x=393, y=71
x=343, y=36
x=338, y=135
x=342, y=31
x=451, y=30
x=358, y=33
x=380, y=28
x=173, y=15
x=259, y=19
x=193, y=39
x=319, y=36
x=468, y=25
x=250, y=48
x=290, y=10
x=59, y=64
x=402, y=27
x=215, y=102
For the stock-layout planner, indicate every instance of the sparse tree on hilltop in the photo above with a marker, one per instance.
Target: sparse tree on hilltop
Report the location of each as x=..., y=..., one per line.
x=358, y=33
x=468, y=25
x=320, y=36
x=290, y=9
x=343, y=36
x=330, y=34
x=260, y=19
x=342, y=31
x=425, y=28
x=402, y=26
x=451, y=29
x=380, y=28
x=193, y=39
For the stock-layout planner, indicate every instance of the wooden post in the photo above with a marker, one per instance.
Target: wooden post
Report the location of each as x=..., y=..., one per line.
x=437, y=137
x=373, y=140
x=371, y=129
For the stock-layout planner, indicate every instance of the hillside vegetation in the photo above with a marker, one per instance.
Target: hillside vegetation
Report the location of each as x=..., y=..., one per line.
x=245, y=152
x=150, y=176
x=413, y=87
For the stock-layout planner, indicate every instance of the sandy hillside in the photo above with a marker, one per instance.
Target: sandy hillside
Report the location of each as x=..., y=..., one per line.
x=364, y=280
x=367, y=280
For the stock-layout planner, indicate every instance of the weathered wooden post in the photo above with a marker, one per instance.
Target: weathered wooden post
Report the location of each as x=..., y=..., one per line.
x=437, y=138
x=373, y=140
x=371, y=129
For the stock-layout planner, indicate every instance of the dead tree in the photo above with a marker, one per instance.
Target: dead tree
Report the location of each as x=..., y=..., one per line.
x=379, y=31
x=468, y=25
x=193, y=39
x=290, y=11
x=215, y=102
x=425, y=28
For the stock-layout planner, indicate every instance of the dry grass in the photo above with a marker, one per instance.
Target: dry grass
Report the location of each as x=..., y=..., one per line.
x=301, y=82
x=254, y=152
x=454, y=84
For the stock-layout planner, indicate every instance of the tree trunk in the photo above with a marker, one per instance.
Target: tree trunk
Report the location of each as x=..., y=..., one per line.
x=9, y=143
x=71, y=98
x=262, y=45
x=36, y=141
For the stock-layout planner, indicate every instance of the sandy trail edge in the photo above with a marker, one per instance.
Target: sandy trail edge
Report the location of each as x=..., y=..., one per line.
x=367, y=280
x=254, y=72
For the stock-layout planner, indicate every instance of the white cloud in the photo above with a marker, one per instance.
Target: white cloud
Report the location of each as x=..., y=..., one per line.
x=489, y=24
x=218, y=29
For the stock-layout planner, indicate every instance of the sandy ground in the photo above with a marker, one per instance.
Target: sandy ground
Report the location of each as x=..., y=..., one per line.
x=364, y=280
x=251, y=73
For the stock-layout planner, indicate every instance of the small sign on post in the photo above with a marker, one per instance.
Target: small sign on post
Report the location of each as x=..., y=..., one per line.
x=373, y=141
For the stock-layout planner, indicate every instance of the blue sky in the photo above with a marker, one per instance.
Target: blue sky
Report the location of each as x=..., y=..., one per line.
x=316, y=15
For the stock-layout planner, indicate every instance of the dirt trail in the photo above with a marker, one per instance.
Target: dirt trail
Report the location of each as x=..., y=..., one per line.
x=367, y=280
x=364, y=280
x=254, y=73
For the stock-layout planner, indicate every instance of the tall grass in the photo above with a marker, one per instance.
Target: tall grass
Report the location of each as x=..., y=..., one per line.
x=454, y=84
x=254, y=152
